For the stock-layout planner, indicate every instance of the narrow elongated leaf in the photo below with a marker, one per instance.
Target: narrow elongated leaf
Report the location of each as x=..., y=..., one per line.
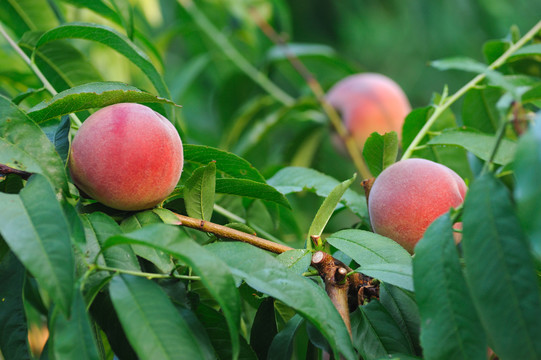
x=266, y=274
x=251, y=189
x=498, y=262
x=73, y=336
x=227, y=163
x=477, y=143
x=380, y=151
x=527, y=190
x=98, y=7
x=13, y=328
x=199, y=191
x=277, y=53
x=459, y=63
x=213, y=272
x=368, y=248
x=375, y=333
x=282, y=344
x=89, y=96
x=24, y=146
x=328, y=206
x=263, y=328
x=36, y=229
x=153, y=326
x=445, y=305
x=525, y=51
x=296, y=179
x=402, y=307
x=27, y=15
x=112, y=39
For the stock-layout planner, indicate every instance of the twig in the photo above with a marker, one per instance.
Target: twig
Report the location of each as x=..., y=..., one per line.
x=6, y=170
x=317, y=90
x=450, y=100
x=229, y=233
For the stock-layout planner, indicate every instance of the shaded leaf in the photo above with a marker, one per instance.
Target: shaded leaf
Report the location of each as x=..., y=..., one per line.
x=479, y=109
x=445, y=304
x=13, y=328
x=500, y=271
x=24, y=146
x=263, y=328
x=282, y=344
x=266, y=274
x=27, y=15
x=400, y=275
x=152, y=324
x=36, y=229
x=213, y=272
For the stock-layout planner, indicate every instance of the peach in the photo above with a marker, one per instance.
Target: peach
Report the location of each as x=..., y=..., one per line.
x=409, y=195
x=126, y=156
x=369, y=103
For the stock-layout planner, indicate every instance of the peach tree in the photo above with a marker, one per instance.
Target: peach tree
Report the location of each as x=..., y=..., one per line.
x=264, y=248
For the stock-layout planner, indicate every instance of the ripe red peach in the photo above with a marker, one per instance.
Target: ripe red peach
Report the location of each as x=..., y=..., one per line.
x=368, y=103
x=126, y=156
x=409, y=195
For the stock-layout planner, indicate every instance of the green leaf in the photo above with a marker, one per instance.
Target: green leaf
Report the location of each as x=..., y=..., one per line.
x=445, y=304
x=296, y=179
x=27, y=15
x=282, y=344
x=63, y=65
x=213, y=272
x=368, y=248
x=297, y=260
x=500, y=271
x=459, y=63
x=73, y=336
x=402, y=307
x=479, y=144
x=89, y=96
x=526, y=51
x=527, y=191
x=227, y=163
x=264, y=273
x=153, y=326
x=328, y=206
x=479, y=109
x=277, y=53
x=112, y=39
x=263, y=328
x=60, y=138
x=36, y=229
x=380, y=151
x=157, y=257
x=13, y=328
x=375, y=333
x=216, y=327
x=251, y=189
x=24, y=146
x=199, y=191
x=394, y=274
x=98, y=7
x=98, y=228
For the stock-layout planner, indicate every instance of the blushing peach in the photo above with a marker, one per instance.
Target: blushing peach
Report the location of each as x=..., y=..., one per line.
x=126, y=156
x=409, y=195
x=368, y=103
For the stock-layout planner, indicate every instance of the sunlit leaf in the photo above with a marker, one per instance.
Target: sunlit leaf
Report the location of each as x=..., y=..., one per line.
x=199, y=191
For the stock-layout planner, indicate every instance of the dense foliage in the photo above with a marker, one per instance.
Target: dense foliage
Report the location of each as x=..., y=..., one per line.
x=90, y=282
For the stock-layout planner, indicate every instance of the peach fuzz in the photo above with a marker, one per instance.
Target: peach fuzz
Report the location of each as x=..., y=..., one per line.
x=126, y=156
x=409, y=195
x=368, y=103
